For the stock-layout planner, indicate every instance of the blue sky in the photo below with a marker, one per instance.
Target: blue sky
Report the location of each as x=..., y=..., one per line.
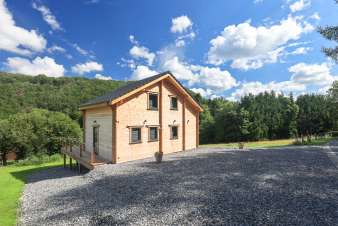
x=216, y=48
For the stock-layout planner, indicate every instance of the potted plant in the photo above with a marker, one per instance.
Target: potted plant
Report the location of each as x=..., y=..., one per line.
x=241, y=145
x=158, y=156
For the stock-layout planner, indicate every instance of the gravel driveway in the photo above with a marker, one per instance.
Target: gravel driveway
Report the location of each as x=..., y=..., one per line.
x=291, y=186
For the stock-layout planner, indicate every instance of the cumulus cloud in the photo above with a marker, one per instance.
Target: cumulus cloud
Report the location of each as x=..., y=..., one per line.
x=48, y=16
x=102, y=77
x=45, y=65
x=257, y=87
x=16, y=39
x=303, y=76
x=207, y=93
x=301, y=51
x=56, y=48
x=202, y=76
x=250, y=47
x=87, y=67
x=142, y=52
x=180, y=24
x=299, y=5
x=142, y=72
x=312, y=74
x=315, y=16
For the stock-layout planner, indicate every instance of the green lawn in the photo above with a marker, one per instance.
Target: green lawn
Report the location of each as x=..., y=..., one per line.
x=267, y=144
x=12, y=180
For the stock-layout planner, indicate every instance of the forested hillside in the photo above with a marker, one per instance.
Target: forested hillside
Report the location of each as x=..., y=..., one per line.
x=20, y=93
x=265, y=116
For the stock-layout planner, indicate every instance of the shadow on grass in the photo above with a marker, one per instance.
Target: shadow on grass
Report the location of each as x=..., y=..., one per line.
x=260, y=187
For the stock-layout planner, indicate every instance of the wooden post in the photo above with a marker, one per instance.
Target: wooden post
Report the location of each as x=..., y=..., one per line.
x=161, y=116
x=197, y=130
x=79, y=167
x=93, y=157
x=114, y=133
x=70, y=163
x=183, y=124
x=81, y=148
x=64, y=161
x=84, y=128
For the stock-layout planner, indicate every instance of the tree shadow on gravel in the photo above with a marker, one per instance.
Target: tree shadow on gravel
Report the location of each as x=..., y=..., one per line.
x=44, y=173
x=259, y=187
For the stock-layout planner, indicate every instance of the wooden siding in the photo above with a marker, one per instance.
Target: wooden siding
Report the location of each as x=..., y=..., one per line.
x=103, y=117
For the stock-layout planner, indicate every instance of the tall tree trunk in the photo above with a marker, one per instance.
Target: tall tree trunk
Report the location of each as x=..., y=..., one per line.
x=4, y=159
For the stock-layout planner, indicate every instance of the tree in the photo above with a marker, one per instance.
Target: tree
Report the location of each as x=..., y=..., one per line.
x=333, y=103
x=7, y=142
x=330, y=33
x=43, y=132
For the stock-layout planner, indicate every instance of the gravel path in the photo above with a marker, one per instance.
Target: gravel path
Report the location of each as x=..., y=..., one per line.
x=293, y=186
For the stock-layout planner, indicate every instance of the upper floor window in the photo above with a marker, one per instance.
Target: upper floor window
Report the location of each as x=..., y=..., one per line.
x=153, y=101
x=135, y=135
x=173, y=103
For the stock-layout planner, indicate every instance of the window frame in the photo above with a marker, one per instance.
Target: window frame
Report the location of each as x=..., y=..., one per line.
x=171, y=103
x=131, y=135
x=171, y=132
x=148, y=101
x=149, y=134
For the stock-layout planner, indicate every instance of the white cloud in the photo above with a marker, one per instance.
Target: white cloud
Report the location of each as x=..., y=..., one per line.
x=259, y=87
x=142, y=72
x=133, y=40
x=56, y=48
x=312, y=74
x=301, y=51
x=257, y=1
x=48, y=16
x=138, y=52
x=45, y=65
x=250, y=47
x=299, y=5
x=210, y=77
x=213, y=78
x=180, y=24
x=87, y=67
x=180, y=69
x=102, y=77
x=315, y=16
x=207, y=93
x=17, y=39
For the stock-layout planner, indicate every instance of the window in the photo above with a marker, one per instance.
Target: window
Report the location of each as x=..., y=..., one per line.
x=173, y=103
x=135, y=135
x=96, y=139
x=173, y=132
x=152, y=101
x=153, y=133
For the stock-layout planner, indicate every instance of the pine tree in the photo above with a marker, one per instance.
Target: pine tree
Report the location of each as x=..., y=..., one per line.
x=330, y=33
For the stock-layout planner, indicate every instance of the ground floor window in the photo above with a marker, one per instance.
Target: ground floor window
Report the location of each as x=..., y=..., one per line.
x=153, y=133
x=135, y=135
x=173, y=132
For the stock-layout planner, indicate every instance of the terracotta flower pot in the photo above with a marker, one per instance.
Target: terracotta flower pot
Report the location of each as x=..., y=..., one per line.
x=158, y=156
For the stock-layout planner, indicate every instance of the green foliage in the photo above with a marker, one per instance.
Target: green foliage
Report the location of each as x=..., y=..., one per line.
x=38, y=132
x=20, y=93
x=314, y=115
x=330, y=33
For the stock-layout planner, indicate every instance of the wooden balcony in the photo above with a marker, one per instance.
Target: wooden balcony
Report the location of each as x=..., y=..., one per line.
x=87, y=159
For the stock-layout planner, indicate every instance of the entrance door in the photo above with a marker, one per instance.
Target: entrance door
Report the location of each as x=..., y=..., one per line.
x=96, y=139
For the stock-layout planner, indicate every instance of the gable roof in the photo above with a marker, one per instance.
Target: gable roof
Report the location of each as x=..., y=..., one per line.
x=131, y=86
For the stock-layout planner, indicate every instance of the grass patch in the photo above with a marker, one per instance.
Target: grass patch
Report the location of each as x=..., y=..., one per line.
x=12, y=180
x=268, y=143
